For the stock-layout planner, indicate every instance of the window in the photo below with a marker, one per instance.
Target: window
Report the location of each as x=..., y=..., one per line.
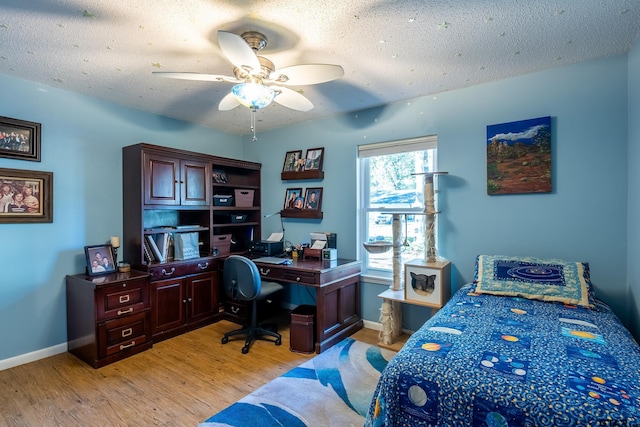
x=388, y=185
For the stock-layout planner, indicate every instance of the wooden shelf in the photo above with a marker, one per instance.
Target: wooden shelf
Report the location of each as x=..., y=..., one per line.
x=293, y=176
x=301, y=213
x=399, y=296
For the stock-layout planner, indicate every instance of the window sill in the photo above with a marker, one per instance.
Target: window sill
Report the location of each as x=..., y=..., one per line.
x=377, y=279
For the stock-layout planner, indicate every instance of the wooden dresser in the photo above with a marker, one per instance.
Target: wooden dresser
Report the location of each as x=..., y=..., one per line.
x=108, y=317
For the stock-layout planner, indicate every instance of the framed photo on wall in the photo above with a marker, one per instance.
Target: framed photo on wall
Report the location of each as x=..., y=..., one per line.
x=99, y=259
x=314, y=159
x=291, y=160
x=25, y=196
x=293, y=198
x=19, y=139
x=313, y=198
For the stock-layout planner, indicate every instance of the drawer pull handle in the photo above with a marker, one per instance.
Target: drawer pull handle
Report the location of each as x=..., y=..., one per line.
x=127, y=311
x=122, y=347
x=263, y=272
x=235, y=310
x=127, y=332
x=203, y=267
x=297, y=279
x=168, y=273
x=124, y=298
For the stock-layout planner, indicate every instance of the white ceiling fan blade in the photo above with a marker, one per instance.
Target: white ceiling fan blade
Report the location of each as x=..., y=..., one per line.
x=291, y=99
x=195, y=76
x=229, y=102
x=238, y=51
x=308, y=74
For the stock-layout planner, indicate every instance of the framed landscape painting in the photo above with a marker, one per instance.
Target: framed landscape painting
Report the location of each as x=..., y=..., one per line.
x=519, y=157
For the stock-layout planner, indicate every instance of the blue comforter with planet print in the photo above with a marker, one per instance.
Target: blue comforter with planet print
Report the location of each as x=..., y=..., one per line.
x=491, y=359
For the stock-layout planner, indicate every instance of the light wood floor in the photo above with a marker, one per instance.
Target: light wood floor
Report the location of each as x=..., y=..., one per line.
x=179, y=382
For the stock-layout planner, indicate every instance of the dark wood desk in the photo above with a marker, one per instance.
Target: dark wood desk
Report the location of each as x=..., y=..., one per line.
x=337, y=285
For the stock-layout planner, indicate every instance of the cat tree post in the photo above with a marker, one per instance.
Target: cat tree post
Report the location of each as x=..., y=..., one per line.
x=391, y=311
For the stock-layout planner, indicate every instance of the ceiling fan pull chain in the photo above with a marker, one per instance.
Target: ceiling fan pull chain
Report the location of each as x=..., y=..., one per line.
x=253, y=124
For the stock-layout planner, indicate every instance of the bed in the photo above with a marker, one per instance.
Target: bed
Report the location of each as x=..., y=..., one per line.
x=526, y=344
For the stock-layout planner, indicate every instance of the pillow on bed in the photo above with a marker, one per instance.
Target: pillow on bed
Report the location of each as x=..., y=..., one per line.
x=534, y=278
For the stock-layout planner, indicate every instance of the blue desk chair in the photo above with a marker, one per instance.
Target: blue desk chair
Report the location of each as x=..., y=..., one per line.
x=242, y=282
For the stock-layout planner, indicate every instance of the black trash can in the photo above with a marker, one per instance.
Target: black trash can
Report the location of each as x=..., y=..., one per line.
x=302, y=337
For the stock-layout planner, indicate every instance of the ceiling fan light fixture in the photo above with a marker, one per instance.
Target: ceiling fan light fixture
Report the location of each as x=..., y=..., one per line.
x=253, y=95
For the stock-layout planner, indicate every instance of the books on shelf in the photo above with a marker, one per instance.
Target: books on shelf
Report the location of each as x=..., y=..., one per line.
x=148, y=253
x=168, y=246
x=154, y=248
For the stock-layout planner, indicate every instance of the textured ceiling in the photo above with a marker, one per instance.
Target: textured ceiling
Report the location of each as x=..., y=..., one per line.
x=390, y=50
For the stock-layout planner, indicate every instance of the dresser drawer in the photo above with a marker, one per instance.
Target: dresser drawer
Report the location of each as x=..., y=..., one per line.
x=122, y=334
x=175, y=269
x=122, y=299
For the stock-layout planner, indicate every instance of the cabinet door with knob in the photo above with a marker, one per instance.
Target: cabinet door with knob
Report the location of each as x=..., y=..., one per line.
x=173, y=181
x=183, y=303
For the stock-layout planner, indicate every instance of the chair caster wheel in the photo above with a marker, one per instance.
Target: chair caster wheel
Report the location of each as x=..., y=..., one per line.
x=245, y=349
x=225, y=340
x=278, y=341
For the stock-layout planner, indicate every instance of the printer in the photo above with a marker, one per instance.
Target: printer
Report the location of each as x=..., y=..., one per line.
x=266, y=248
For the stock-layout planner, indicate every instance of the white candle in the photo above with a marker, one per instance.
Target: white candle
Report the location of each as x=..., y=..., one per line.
x=115, y=241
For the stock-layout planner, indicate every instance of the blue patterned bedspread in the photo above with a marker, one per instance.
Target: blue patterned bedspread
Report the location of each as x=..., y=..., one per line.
x=486, y=360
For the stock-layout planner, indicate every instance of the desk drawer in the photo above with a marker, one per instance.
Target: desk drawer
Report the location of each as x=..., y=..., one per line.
x=270, y=273
x=122, y=299
x=118, y=335
x=168, y=271
x=306, y=277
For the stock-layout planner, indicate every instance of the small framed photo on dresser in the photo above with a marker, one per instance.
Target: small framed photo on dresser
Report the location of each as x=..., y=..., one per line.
x=99, y=259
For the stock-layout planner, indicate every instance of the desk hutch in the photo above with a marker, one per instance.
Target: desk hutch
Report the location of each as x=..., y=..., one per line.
x=168, y=190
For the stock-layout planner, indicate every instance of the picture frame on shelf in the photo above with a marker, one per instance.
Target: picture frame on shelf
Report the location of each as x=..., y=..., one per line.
x=99, y=259
x=313, y=159
x=220, y=176
x=313, y=198
x=291, y=161
x=292, y=197
x=25, y=196
x=20, y=139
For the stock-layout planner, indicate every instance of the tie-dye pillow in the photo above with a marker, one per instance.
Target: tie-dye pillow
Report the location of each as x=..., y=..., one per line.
x=534, y=278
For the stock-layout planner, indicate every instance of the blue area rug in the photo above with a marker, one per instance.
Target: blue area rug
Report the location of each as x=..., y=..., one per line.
x=332, y=389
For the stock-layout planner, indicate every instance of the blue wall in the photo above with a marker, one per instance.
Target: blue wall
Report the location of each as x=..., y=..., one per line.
x=584, y=218
x=81, y=144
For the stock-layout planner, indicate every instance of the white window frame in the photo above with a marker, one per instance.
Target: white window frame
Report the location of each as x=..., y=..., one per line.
x=378, y=149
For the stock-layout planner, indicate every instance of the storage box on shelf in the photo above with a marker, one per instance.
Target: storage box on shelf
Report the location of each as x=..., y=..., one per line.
x=244, y=198
x=221, y=244
x=242, y=219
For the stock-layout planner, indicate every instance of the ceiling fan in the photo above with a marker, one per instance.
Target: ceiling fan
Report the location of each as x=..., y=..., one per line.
x=257, y=82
